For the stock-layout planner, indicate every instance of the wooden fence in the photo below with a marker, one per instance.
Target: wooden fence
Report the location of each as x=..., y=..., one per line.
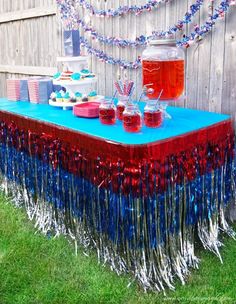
x=30, y=35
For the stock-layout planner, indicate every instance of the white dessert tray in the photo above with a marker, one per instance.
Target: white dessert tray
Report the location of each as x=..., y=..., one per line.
x=75, y=82
x=70, y=105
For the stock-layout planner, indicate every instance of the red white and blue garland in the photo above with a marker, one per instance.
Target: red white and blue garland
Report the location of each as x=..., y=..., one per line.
x=121, y=10
x=71, y=18
x=187, y=40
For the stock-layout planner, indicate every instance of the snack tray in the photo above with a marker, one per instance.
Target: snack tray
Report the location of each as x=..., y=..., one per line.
x=70, y=105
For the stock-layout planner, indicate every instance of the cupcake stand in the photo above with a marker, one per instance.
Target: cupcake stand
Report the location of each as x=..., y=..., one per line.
x=84, y=86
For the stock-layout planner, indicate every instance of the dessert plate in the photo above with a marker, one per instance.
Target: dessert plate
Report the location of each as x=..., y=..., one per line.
x=87, y=109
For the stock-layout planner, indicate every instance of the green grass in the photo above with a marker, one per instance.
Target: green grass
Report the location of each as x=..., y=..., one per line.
x=34, y=269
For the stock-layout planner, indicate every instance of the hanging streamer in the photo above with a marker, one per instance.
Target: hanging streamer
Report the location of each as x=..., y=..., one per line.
x=121, y=10
x=139, y=207
x=196, y=36
x=73, y=20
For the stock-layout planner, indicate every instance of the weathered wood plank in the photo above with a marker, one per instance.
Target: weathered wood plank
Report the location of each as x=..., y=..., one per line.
x=204, y=65
x=228, y=102
x=217, y=69
x=108, y=31
x=28, y=14
x=192, y=70
x=28, y=70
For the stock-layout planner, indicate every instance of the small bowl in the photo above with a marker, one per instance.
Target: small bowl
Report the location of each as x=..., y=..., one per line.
x=87, y=109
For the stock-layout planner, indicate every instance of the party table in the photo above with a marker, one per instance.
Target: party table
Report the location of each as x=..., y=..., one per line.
x=140, y=199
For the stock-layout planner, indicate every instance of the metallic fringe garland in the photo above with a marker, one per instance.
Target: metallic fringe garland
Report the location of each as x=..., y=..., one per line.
x=151, y=237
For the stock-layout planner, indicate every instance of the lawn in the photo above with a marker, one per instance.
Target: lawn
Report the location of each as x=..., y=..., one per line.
x=34, y=269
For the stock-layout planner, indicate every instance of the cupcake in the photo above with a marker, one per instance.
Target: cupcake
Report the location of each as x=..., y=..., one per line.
x=85, y=99
x=73, y=98
x=57, y=76
x=53, y=96
x=59, y=97
x=76, y=76
x=66, y=97
x=78, y=96
x=92, y=95
x=85, y=73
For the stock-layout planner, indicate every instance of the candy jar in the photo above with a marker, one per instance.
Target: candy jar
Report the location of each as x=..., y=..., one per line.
x=107, y=112
x=132, y=118
x=122, y=102
x=153, y=116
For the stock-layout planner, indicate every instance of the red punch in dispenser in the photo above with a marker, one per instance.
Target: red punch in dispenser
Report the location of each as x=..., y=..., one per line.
x=163, y=69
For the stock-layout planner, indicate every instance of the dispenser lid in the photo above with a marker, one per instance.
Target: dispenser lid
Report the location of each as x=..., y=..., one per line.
x=162, y=42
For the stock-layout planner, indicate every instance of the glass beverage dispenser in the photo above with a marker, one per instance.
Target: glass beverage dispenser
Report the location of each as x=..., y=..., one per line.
x=163, y=69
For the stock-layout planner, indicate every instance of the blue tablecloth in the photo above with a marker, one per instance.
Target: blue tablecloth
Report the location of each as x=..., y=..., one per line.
x=183, y=121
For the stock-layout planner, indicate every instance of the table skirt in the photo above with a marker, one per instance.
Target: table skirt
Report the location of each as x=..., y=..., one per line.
x=140, y=207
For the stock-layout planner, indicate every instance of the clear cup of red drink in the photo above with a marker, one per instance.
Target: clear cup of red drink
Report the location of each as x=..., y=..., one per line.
x=132, y=118
x=153, y=116
x=107, y=112
x=120, y=107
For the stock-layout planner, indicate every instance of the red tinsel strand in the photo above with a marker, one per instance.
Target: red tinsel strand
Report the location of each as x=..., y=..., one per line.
x=141, y=176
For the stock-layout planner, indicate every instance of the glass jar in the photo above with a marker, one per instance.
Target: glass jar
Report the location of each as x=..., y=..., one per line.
x=107, y=112
x=153, y=116
x=132, y=118
x=122, y=102
x=163, y=69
